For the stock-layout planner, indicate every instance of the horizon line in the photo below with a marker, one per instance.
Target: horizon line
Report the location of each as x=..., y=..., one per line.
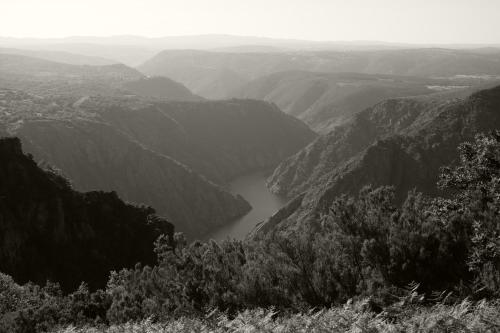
x=282, y=39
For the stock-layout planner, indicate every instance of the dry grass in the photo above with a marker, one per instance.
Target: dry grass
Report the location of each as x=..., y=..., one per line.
x=464, y=317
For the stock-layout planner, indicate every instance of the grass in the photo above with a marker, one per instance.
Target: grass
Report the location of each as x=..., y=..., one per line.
x=463, y=317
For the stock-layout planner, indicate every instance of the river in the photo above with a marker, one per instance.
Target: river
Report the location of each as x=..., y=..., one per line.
x=253, y=188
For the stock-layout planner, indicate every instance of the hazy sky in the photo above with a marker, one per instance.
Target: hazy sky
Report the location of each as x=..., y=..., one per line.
x=417, y=21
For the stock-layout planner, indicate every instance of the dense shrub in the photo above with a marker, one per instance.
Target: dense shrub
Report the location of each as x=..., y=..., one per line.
x=31, y=308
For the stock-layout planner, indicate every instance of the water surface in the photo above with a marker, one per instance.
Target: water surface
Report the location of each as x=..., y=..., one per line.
x=253, y=188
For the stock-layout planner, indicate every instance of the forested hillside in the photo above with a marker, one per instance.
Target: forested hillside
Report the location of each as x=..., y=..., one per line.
x=220, y=140
x=48, y=231
x=401, y=142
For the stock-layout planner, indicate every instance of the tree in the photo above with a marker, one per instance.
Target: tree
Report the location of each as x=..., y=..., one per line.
x=477, y=183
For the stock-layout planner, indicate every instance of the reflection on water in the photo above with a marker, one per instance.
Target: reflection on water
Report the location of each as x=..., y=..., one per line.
x=264, y=204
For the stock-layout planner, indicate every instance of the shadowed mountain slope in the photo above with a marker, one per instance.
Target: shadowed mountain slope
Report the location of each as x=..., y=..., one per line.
x=50, y=231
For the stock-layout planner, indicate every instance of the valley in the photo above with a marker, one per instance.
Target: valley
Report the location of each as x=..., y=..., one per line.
x=211, y=183
x=116, y=115
x=149, y=139
x=264, y=203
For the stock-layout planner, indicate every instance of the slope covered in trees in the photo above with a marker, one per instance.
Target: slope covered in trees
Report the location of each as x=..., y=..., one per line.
x=401, y=142
x=48, y=231
x=94, y=156
x=156, y=153
x=220, y=140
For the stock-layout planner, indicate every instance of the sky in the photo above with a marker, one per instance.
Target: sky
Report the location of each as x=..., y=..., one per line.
x=415, y=21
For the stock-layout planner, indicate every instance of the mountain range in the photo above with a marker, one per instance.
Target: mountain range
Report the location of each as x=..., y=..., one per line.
x=218, y=74
x=138, y=46
x=325, y=100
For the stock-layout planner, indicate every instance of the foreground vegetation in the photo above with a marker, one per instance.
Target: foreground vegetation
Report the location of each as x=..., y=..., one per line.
x=462, y=317
x=366, y=248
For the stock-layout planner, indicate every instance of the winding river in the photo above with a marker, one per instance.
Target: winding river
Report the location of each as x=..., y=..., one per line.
x=253, y=188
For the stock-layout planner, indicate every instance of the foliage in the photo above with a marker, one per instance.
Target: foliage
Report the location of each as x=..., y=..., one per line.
x=31, y=308
x=365, y=246
x=462, y=317
x=477, y=180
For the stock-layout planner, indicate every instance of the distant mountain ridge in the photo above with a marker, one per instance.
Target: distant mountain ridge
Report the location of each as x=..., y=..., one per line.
x=135, y=50
x=205, y=41
x=45, y=77
x=191, y=67
x=60, y=56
